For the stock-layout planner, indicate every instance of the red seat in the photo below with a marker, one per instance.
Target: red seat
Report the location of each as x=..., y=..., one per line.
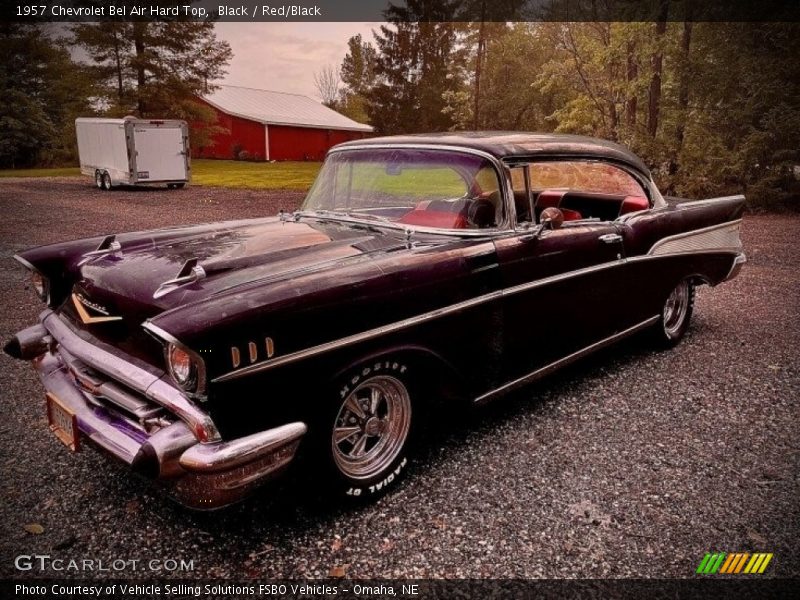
x=434, y=218
x=571, y=215
x=633, y=204
x=553, y=198
x=548, y=198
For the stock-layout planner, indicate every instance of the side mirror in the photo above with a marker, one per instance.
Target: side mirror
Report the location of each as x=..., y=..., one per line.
x=551, y=218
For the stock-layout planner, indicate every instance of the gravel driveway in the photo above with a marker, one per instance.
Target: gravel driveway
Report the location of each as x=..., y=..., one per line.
x=633, y=463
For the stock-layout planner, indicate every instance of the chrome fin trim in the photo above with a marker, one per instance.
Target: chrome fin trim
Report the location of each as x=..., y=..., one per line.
x=700, y=203
x=723, y=237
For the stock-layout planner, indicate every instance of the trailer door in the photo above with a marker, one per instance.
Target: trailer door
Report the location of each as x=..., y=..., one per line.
x=160, y=153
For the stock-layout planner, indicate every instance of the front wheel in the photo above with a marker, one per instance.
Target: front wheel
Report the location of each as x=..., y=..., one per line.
x=107, y=182
x=676, y=314
x=98, y=179
x=369, y=429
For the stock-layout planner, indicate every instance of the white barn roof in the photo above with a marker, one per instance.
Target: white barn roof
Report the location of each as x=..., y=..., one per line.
x=279, y=108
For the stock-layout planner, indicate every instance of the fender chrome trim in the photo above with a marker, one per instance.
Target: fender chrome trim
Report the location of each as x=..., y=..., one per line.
x=722, y=237
x=411, y=321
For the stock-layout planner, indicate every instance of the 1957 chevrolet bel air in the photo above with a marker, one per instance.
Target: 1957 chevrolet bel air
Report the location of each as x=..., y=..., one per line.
x=420, y=270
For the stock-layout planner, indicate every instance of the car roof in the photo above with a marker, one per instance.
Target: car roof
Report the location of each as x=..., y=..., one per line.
x=516, y=144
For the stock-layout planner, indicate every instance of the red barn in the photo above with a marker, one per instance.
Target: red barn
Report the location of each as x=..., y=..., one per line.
x=267, y=125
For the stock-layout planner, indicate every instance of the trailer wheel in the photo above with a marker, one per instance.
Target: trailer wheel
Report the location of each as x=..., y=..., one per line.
x=107, y=182
x=98, y=179
x=180, y=186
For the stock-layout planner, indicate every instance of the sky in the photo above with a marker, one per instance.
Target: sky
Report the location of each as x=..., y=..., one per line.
x=285, y=56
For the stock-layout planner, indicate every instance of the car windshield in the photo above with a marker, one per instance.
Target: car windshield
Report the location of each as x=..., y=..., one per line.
x=416, y=188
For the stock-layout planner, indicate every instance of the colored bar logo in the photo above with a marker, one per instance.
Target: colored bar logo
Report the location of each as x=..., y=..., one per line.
x=734, y=563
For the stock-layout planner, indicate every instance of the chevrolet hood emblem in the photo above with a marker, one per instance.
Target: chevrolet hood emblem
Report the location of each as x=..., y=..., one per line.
x=81, y=305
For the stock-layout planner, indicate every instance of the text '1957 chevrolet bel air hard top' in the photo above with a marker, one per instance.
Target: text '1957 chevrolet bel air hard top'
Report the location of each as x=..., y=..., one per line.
x=419, y=271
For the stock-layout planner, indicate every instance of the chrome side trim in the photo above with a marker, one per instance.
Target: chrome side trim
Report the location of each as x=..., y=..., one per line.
x=562, y=362
x=676, y=245
x=723, y=237
x=446, y=310
x=148, y=384
x=411, y=321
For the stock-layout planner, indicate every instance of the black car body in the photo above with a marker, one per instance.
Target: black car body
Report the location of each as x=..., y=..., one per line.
x=420, y=270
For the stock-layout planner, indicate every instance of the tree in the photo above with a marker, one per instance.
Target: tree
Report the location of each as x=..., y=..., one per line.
x=707, y=120
x=418, y=64
x=657, y=63
x=327, y=83
x=358, y=66
x=156, y=69
x=358, y=78
x=42, y=91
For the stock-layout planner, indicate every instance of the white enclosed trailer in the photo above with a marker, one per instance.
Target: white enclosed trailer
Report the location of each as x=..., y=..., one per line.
x=134, y=151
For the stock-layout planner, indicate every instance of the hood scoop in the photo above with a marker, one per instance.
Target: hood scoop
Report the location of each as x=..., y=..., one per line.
x=190, y=272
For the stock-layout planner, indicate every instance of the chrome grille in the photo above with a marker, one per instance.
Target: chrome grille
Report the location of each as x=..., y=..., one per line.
x=100, y=391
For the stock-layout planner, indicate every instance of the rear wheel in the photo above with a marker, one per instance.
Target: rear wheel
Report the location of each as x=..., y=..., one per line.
x=676, y=314
x=98, y=179
x=107, y=182
x=366, y=436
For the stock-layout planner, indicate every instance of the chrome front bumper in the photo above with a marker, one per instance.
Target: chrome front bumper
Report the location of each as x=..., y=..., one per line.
x=136, y=416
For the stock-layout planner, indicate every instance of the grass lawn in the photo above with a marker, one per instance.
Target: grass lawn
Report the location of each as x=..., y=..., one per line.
x=259, y=175
x=219, y=173
x=56, y=172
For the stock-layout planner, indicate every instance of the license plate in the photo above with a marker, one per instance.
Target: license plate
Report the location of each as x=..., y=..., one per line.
x=63, y=422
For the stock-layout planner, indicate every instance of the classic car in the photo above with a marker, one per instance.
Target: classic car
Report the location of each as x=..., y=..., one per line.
x=421, y=271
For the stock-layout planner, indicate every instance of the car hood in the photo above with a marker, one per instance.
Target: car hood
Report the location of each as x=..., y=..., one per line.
x=230, y=254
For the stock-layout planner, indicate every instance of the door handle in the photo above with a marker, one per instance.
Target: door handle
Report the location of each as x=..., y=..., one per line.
x=610, y=238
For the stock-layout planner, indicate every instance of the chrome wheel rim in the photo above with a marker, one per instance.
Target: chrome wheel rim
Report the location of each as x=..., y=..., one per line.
x=98, y=180
x=675, y=309
x=371, y=427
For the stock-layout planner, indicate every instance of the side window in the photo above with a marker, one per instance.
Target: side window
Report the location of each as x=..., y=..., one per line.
x=584, y=189
x=487, y=207
x=521, y=190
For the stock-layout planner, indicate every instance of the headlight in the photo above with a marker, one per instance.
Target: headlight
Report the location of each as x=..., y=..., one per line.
x=40, y=285
x=182, y=367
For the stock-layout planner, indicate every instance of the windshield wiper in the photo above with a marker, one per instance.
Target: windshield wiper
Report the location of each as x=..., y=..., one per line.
x=366, y=216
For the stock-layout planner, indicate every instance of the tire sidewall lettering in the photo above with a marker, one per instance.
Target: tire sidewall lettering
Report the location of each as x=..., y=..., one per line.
x=352, y=382
x=377, y=487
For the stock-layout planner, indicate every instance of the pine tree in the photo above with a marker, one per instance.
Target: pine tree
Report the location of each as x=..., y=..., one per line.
x=42, y=91
x=417, y=66
x=156, y=69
